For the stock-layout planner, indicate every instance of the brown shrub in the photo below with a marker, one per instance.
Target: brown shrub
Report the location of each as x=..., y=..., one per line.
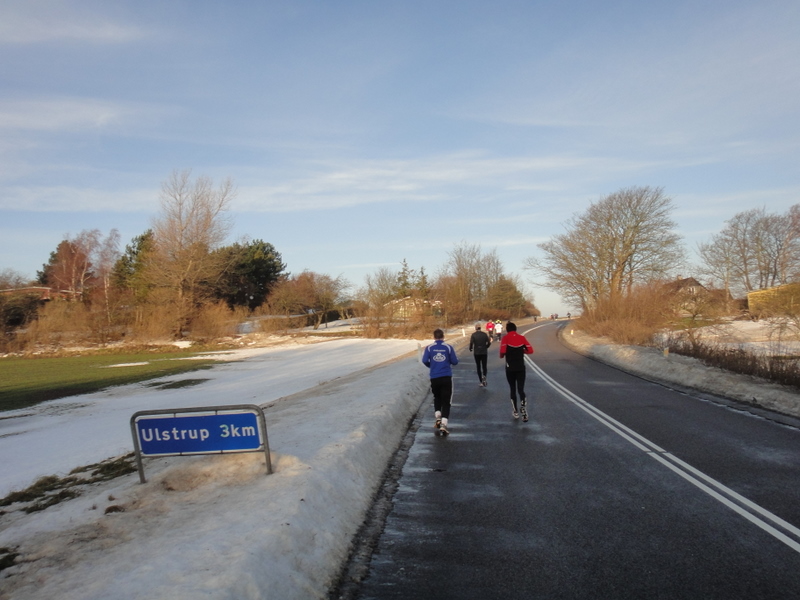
x=632, y=319
x=213, y=321
x=155, y=320
x=60, y=322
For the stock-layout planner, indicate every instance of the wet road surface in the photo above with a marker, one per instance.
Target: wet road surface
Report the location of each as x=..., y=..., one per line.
x=616, y=488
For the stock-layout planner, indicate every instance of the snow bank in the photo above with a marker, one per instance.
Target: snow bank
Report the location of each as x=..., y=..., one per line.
x=218, y=526
x=674, y=369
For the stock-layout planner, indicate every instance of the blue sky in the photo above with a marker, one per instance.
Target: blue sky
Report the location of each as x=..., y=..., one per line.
x=362, y=133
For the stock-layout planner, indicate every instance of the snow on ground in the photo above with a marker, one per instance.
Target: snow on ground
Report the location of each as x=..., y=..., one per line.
x=689, y=372
x=762, y=337
x=218, y=526
x=41, y=439
x=214, y=526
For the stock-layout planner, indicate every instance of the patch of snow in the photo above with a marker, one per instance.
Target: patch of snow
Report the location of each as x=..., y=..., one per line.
x=214, y=526
x=686, y=371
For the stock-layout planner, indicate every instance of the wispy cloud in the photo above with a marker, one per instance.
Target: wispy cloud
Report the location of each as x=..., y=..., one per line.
x=58, y=114
x=702, y=207
x=524, y=184
x=71, y=114
x=54, y=21
x=331, y=185
x=75, y=199
x=733, y=73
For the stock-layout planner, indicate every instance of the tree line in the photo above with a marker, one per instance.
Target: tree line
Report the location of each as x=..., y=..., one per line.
x=628, y=238
x=180, y=278
x=754, y=251
x=617, y=259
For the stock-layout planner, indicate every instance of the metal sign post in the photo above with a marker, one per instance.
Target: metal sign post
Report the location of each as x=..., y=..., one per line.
x=205, y=430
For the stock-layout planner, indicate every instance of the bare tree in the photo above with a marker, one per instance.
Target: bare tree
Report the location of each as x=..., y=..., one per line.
x=792, y=267
x=717, y=264
x=70, y=266
x=778, y=238
x=11, y=279
x=624, y=239
x=466, y=279
x=755, y=250
x=285, y=298
x=322, y=294
x=313, y=294
x=16, y=309
x=740, y=231
x=380, y=287
x=106, y=256
x=192, y=223
x=379, y=290
x=82, y=262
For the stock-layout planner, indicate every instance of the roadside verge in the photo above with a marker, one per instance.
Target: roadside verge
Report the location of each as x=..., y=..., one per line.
x=219, y=527
x=683, y=372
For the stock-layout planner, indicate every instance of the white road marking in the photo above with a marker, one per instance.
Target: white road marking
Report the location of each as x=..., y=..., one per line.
x=736, y=502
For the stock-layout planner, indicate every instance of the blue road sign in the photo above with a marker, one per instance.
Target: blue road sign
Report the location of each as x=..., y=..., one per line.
x=208, y=430
x=185, y=434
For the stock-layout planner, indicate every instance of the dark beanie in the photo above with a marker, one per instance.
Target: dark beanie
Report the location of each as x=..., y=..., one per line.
x=511, y=326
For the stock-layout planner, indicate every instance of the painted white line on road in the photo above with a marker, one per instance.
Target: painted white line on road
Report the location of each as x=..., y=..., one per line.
x=725, y=495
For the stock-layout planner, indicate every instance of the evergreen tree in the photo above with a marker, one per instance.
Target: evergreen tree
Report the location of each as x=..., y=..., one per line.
x=505, y=296
x=405, y=280
x=250, y=272
x=129, y=270
x=422, y=286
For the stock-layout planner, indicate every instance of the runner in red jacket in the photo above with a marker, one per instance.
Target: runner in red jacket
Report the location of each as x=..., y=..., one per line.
x=513, y=348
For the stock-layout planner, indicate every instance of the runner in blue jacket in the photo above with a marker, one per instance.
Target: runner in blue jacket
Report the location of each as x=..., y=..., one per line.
x=440, y=358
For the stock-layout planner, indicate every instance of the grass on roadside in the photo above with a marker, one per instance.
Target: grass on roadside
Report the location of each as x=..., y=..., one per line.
x=51, y=490
x=28, y=381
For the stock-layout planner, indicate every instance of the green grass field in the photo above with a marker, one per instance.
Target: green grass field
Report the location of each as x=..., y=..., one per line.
x=28, y=381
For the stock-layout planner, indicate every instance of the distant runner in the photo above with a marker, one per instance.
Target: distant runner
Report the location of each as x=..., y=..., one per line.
x=479, y=344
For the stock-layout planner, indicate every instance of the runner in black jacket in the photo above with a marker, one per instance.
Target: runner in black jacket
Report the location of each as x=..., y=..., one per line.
x=479, y=344
x=513, y=348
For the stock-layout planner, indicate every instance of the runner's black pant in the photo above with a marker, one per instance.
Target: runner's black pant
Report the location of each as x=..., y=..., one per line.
x=480, y=364
x=516, y=381
x=442, y=388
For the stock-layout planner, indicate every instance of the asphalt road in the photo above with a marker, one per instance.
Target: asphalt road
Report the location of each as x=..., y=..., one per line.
x=616, y=488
